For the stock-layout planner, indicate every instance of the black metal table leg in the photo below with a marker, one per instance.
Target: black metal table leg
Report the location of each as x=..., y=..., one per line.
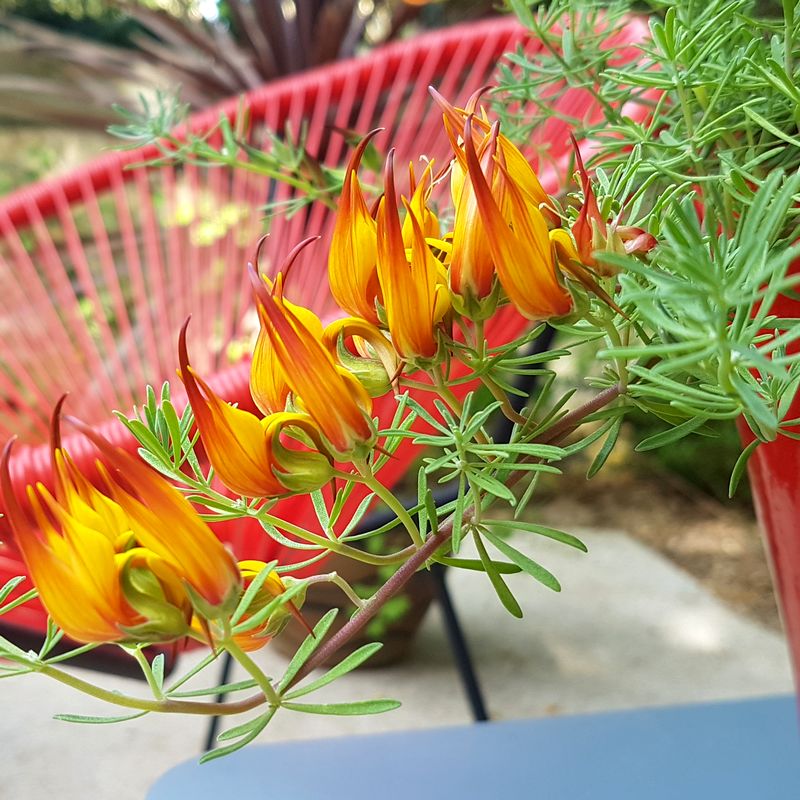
x=213, y=725
x=459, y=648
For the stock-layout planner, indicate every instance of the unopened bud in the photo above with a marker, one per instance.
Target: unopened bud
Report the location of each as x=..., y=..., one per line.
x=154, y=589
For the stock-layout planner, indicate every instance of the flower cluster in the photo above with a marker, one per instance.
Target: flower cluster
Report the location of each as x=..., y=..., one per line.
x=406, y=283
x=126, y=558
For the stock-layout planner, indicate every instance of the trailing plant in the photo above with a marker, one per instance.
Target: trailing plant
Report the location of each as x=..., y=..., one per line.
x=671, y=257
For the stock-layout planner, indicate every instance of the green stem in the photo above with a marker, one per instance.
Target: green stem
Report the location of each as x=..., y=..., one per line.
x=334, y=545
x=157, y=691
x=685, y=110
x=390, y=501
x=412, y=384
x=138, y=704
x=446, y=393
x=616, y=341
x=338, y=580
x=453, y=403
x=505, y=403
x=263, y=682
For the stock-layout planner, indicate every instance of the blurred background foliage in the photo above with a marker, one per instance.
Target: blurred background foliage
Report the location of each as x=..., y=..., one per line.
x=67, y=61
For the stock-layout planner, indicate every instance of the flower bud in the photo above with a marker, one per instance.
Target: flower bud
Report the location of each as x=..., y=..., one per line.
x=154, y=589
x=272, y=587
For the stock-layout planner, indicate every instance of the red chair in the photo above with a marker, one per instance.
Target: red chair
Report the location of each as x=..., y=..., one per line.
x=99, y=268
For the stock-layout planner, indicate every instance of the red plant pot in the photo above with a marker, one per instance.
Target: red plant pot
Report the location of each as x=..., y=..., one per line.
x=774, y=470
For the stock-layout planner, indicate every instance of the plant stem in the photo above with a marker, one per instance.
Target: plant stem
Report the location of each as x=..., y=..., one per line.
x=334, y=545
x=573, y=419
x=338, y=580
x=615, y=340
x=157, y=691
x=505, y=404
x=455, y=405
x=375, y=603
x=446, y=393
x=273, y=698
x=138, y=704
x=390, y=500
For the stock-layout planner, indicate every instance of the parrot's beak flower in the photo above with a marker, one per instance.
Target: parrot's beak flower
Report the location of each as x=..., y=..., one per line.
x=120, y=565
x=272, y=588
x=333, y=398
x=72, y=565
x=524, y=174
x=375, y=361
x=594, y=234
x=245, y=451
x=165, y=523
x=268, y=386
x=518, y=239
x=352, y=258
x=471, y=267
x=420, y=195
x=415, y=298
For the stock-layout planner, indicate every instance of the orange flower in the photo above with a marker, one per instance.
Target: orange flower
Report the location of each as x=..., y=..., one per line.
x=592, y=233
x=414, y=298
x=420, y=195
x=73, y=568
x=524, y=174
x=272, y=587
x=518, y=239
x=268, y=385
x=165, y=523
x=334, y=399
x=245, y=451
x=352, y=257
x=376, y=362
x=471, y=267
x=123, y=564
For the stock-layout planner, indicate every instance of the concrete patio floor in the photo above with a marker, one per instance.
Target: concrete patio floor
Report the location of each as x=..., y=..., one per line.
x=628, y=630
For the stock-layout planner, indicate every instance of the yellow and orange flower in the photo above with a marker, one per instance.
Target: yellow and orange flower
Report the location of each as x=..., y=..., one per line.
x=333, y=398
x=123, y=564
x=352, y=258
x=420, y=192
x=245, y=451
x=415, y=298
x=518, y=238
x=268, y=386
x=165, y=523
x=271, y=588
x=524, y=174
x=471, y=266
x=593, y=233
x=375, y=362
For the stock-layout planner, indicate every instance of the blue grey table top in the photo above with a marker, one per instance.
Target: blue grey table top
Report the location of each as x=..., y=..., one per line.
x=732, y=751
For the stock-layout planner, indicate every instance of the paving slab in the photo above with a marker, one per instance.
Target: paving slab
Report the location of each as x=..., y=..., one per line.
x=628, y=630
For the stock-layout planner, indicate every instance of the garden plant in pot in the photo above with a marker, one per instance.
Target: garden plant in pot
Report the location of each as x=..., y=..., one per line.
x=668, y=253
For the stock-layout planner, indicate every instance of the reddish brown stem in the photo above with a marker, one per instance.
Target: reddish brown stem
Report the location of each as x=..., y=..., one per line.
x=387, y=591
x=570, y=421
x=559, y=431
